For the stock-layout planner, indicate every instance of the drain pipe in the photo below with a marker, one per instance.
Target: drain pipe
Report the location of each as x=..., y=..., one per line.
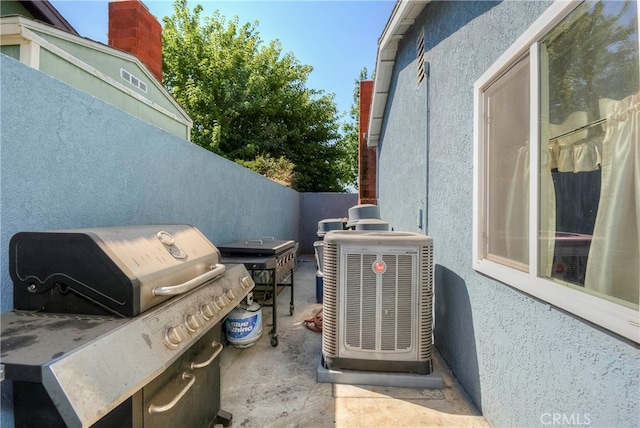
x=424, y=226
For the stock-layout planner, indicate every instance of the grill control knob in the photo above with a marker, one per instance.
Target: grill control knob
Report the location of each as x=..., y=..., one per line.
x=207, y=311
x=246, y=282
x=220, y=301
x=192, y=323
x=173, y=336
x=226, y=299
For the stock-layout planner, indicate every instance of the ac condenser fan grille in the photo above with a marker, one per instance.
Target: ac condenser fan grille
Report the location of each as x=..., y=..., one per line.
x=396, y=303
x=361, y=307
x=378, y=319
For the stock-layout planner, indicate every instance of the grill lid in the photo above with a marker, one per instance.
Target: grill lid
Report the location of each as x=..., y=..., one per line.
x=113, y=270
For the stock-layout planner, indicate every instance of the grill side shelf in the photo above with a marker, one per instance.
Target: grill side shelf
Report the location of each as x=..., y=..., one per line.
x=29, y=340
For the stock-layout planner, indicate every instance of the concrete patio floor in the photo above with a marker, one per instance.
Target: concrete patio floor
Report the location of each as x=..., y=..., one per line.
x=265, y=386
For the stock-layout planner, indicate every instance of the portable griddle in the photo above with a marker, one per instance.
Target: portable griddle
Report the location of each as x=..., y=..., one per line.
x=271, y=263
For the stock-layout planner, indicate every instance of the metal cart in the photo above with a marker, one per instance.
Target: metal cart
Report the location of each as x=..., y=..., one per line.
x=271, y=263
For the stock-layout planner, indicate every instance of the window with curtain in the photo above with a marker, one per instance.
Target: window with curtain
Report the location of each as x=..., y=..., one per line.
x=558, y=163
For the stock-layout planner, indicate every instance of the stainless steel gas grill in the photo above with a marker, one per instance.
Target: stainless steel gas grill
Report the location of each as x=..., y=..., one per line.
x=118, y=326
x=271, y=263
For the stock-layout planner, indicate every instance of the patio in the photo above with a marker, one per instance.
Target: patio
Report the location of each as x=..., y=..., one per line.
x=263, y=386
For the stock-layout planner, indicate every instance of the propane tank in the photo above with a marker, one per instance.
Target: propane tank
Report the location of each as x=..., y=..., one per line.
x=244, y=323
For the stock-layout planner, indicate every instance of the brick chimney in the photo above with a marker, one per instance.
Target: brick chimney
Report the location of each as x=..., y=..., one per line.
x=366, y=155
x=133, y=29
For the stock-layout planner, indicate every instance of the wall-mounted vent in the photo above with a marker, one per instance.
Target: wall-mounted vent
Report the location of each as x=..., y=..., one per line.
x=420, y=57
x=130, y=78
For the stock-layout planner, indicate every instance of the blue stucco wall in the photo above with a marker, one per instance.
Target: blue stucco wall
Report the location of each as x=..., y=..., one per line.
x=519, y=359
x=405, y=146
x=319, y=206
x=69, y=160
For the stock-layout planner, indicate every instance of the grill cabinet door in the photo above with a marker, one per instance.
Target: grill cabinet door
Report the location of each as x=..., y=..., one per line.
x=199, y=406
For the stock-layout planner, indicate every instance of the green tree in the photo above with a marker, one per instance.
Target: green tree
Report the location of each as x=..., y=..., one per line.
x=249, y=101
x=593, y=55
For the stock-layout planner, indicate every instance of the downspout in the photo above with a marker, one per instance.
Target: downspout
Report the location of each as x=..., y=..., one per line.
x=425, y=228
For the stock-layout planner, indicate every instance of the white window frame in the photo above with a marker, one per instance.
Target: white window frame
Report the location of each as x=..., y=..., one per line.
x=617, y=318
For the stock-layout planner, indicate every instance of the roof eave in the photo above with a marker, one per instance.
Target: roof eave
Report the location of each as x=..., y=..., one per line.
x=44, y=11
x=402, y=18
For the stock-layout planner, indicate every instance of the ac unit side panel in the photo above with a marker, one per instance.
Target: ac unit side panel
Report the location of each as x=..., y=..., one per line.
x=330, y=301
x=426, y=302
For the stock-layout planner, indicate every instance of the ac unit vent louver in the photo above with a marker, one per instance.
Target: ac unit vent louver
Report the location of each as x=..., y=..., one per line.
x=329, y=299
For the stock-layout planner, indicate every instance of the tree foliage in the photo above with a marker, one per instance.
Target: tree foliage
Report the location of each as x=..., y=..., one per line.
x=279, y=170
x=249, y=101
x=593, y=56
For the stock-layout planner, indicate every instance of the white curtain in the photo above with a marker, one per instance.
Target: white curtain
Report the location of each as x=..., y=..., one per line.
x=517, y=212
x=613, y=267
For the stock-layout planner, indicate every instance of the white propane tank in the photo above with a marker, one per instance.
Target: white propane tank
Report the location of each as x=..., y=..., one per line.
x=244, y=324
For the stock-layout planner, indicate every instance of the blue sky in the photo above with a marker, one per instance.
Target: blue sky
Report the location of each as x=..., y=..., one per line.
x=336, y=37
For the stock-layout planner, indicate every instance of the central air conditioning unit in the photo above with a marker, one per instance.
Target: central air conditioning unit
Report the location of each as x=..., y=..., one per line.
x=377, y=301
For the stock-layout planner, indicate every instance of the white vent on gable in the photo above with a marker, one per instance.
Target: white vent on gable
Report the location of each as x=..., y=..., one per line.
x=130, y=78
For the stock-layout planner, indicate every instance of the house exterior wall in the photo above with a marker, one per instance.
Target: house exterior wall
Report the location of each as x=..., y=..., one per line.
x=107, y=62
x=402, y=188
x=521, y=360
x=60, y=69
x=13, y=8
x=110, y=65
x=11, y=50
